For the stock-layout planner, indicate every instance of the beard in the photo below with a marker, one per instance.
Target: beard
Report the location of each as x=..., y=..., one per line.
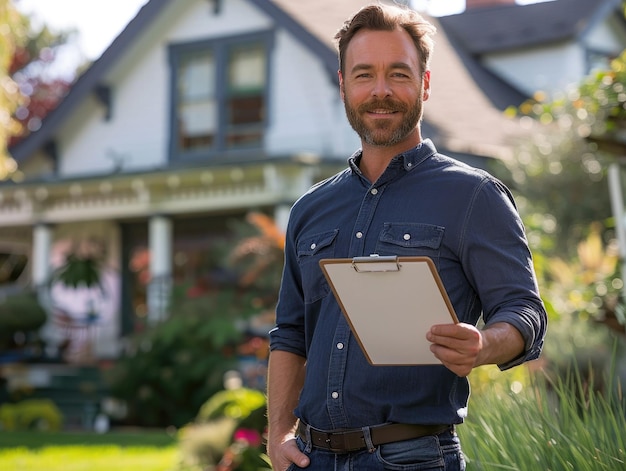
x=384, y=132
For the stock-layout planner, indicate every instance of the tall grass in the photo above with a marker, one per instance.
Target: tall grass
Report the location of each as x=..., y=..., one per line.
x=551, y=425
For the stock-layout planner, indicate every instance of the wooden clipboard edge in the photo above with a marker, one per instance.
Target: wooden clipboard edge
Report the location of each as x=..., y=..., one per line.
x=431, y=265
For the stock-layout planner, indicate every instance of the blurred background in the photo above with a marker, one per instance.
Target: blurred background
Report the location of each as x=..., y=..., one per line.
x=150, y=152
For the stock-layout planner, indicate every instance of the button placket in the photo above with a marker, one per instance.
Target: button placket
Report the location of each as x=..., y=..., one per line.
x=337, y=367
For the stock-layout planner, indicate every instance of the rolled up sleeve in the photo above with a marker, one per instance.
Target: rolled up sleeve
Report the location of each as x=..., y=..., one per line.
x=499, y=265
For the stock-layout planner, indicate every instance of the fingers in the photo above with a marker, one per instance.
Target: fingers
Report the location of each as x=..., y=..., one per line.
x=456, y=345
x=286, y=454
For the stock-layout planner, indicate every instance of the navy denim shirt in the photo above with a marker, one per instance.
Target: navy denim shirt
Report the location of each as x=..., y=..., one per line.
x=423, y=204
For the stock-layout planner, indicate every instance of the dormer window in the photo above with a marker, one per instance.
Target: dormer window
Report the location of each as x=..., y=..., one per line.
x=219, y=95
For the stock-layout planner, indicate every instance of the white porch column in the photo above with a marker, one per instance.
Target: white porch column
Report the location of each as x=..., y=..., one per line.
x=281, y=216
x=159, y=289
x=41, y=272
x=42, y=248
x=41, y=268
x=617, y=207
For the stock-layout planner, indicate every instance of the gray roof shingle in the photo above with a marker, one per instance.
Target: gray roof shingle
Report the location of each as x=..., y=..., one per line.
x=506, y=27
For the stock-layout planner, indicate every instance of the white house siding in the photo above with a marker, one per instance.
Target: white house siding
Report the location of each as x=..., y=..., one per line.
x=306, y=112
x=199, y=21
x=608, y=38
x=547, y=69
x=135, y=137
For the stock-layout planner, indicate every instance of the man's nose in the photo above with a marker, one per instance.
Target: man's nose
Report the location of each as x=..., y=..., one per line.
x=381, y=88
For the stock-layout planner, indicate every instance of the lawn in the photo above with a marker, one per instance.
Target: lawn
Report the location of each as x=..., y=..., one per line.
x=122, y=451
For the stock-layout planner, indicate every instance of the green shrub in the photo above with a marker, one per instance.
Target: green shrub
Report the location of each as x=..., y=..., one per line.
x=175, y=366
x=228, y=428
x=31, y=414
x=19, y=313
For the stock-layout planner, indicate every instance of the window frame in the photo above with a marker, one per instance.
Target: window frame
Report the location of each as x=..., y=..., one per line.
x=219, y=47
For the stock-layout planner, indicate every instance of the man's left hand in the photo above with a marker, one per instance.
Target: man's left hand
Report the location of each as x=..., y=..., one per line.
x=457, y=346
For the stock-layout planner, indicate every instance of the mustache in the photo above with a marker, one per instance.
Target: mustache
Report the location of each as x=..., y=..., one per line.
x=384, y=104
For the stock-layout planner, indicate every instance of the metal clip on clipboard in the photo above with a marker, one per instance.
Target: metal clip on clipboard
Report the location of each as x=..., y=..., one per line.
x=376, y=263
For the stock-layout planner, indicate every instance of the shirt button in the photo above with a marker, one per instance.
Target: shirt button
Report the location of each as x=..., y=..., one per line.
x=313, y=246
x=407, y=236
x=340, y=346
x=359, y=235
x=335, y=394
x=374, y=191
x=409, y=164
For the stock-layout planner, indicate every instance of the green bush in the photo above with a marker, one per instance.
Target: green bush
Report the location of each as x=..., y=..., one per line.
x=31, y=414
x=175, y=366
x=228, y=430
x=19, y=313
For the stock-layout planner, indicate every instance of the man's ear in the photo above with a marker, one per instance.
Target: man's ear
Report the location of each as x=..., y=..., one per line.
x=426, y=85
x=341, y=90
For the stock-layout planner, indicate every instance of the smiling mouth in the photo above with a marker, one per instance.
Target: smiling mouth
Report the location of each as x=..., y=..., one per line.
x=381, y=112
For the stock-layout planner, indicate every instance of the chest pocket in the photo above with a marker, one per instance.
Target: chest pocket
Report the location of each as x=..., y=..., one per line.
x=410, y=239
x=311, y=249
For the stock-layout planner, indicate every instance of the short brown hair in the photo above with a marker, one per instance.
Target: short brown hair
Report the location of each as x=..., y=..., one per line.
x=381, y=17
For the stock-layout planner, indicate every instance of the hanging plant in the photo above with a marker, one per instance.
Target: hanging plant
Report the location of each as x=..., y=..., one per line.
x=78, y=271
x=82, y=267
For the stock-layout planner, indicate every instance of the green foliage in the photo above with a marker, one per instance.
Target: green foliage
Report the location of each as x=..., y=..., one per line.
x=173, y=367
x=560, y=184
x=594, y=110
x=237, y=404
x=31, y=414
x=560, y=171
x=226, y=433
x=11, y=34
x=77, y=271
x=558, y=425
x=19, y=313
x=560, y=175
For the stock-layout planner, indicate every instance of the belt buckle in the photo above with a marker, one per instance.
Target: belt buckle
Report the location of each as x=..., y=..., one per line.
x=336, y=442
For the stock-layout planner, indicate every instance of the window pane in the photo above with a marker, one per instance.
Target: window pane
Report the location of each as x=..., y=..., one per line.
x=246, y=69
x=197, y=77
x=246, y=97
x=197, y=110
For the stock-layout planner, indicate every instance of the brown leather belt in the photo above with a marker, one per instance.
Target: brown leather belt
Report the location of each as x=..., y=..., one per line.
x=345, y=441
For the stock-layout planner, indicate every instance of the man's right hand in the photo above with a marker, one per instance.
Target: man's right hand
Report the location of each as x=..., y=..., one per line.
x=285, y=452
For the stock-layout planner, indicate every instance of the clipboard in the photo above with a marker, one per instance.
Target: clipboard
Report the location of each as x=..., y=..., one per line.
x=390, y=303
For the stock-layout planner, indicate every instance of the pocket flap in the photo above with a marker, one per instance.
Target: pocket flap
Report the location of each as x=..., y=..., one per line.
x=412, y=235
x=310, y=245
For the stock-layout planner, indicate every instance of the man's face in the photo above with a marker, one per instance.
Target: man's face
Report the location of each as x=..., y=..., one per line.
x=382, y=87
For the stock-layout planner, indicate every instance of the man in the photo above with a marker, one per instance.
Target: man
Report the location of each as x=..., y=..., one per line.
x=328, y=407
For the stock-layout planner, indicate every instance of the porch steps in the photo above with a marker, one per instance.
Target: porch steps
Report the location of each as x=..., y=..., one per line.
x=76, y=390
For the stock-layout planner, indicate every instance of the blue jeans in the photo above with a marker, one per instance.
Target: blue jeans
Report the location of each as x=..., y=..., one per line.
x=434, y=452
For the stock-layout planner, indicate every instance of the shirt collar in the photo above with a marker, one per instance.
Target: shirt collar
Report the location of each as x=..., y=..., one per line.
x=410, y=159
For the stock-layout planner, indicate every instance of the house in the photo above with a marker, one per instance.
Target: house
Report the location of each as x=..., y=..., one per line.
x=200, y=111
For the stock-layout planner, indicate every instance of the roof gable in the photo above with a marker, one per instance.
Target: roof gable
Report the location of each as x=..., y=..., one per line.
x=91, y=81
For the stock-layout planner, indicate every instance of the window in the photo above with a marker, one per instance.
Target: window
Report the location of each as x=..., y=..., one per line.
x=219, y=98
x=597, y=60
